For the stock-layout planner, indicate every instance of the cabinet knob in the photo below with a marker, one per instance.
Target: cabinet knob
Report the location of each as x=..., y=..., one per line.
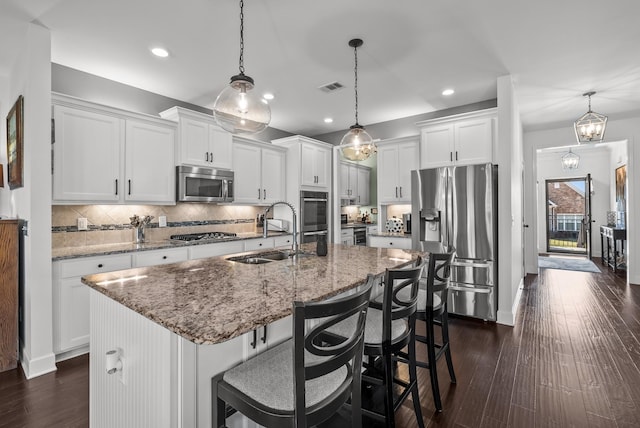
x=100, y=265
x=390, y=243
x=164, y=257
x=260, y=244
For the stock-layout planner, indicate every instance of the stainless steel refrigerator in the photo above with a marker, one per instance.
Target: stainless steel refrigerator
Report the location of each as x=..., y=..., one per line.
x=457, y=207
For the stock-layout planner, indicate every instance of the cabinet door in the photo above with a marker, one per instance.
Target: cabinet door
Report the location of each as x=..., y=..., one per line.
x=73, y=315
x=307, y=165
x=323, y=167
x=387, y=173
x=364, y=194
x=220, y=143
x=273, y=176
x=87, y=155
x=194, y=142
x=214, y=250
x=353, y=183
x=407, y=161
x=344, y=180
x=474, y=141
x=437, y=146
x=149, y=163
x=160, y=257
x=247, y=181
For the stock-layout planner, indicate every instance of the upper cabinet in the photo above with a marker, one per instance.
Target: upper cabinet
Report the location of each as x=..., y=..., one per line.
x=106, y=155
x=201, y=141
x=396, y=159
x=464, y=139
x=259, y=172
x=309, y=162
x=354, y=184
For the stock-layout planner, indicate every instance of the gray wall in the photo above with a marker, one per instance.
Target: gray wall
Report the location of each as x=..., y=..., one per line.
x=96, y=89
x=406, y=126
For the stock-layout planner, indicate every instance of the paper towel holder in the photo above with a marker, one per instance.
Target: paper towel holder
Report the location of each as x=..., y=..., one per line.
x=113, y=362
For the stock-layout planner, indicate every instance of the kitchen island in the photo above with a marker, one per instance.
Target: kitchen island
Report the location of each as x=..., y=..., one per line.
x=175, y=326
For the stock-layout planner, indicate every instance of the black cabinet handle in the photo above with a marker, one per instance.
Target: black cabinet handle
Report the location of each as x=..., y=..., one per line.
x=206, y=156
x=116, y=186
x=400, y=191
x=255, y=339
x=129, y=186
x=456, y=155
x=264, y=194
x=396, y=191
x=164, y=257
x=390, y=243
x=258, y=193
x=100, y=265
x=451, y=156
x=211, y=156
x=264, y=334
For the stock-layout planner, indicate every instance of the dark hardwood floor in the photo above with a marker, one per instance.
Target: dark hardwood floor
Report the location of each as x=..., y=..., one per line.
x=572, y=359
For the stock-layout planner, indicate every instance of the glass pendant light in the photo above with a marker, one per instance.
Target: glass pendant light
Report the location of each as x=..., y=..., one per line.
x=570, y=160
x=357, y=144
x=238, y=109
x=590, y=127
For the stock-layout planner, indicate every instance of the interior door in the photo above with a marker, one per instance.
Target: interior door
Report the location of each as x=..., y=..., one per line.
x=587, y=213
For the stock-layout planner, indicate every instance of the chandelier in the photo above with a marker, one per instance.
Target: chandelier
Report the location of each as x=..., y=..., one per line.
x=590, y=127
x=357, y=144
x=237, y=109
x=570, y=160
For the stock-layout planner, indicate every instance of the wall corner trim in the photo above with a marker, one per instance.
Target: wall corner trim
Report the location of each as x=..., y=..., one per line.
x=509, y=317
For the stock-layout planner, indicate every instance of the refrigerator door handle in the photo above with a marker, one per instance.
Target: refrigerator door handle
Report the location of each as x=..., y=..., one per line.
x=471, y=264
x=470, y=289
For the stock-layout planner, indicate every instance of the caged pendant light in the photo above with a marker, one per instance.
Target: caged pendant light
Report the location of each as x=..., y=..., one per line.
x=570, y=160
x=357, y=144
x=238, y=109
x=590, y=127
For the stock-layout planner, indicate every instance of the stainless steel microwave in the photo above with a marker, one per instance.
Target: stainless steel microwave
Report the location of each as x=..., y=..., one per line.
x=197, y=184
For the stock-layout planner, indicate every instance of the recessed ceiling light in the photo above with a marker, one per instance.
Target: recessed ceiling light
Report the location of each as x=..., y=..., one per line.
x=268, y=96
x=160, y=52
x=328, y=120
x=448, y=92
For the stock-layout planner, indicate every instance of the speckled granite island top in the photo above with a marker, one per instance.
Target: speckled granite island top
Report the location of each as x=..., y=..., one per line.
x=211, y=300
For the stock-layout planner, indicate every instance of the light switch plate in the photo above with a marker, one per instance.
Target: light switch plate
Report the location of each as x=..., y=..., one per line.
x=162, y=221
x=83, y=224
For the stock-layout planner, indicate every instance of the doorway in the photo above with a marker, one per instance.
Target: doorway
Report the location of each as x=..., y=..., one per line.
x=568, y=215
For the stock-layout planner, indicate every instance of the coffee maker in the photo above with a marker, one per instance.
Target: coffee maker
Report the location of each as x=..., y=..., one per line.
x=406, y=222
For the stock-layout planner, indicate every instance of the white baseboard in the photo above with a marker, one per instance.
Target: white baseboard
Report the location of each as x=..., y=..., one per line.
x=34, y=367
x=509, y=317
x=72, y=354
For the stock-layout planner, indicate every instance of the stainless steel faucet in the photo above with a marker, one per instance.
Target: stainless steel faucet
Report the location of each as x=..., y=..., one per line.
x=265, y=229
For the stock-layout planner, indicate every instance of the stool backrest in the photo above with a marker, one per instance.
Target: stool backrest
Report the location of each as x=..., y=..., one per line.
x=438, y=276
x=314, y=358
x=400, y=295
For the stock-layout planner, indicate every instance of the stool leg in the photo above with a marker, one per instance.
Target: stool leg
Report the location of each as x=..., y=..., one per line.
x=433, y=367
x=445, y=342
x=388, y=396
x=413, y=378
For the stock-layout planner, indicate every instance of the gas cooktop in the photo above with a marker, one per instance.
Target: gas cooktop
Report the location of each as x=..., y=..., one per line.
x=205, y=236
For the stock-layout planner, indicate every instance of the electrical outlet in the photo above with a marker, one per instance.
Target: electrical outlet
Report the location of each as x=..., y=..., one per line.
x=83, y=224
x=162, y=221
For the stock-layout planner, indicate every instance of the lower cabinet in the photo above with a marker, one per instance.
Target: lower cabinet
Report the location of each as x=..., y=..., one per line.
x=390, y=242
x=71, y=300
x=346, y=236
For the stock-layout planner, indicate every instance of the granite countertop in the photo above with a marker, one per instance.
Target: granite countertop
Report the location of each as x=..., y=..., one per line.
x=128, y=247
x=211, y=300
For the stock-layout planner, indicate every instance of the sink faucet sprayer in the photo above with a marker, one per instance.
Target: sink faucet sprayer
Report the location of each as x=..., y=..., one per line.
x=265, y=229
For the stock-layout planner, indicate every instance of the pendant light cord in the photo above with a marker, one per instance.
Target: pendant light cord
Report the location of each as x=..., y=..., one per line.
x=241, y=62
x=355, y=53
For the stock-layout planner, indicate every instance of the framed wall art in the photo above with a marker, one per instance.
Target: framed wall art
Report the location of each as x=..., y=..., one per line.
x=15, y=145
x=621, y=186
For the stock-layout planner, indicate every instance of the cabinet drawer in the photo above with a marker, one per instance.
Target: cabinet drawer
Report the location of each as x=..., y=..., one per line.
x=163, y=257
x=92, y=265
x=214, y=250
x=283, y=241
x=390, y=242
x=258, y=244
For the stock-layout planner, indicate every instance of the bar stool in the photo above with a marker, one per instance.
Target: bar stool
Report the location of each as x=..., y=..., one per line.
x=432, y=309
x=390, y=327
x=303, y=381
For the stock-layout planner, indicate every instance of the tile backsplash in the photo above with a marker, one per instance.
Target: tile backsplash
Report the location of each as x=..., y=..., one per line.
x=111, y=224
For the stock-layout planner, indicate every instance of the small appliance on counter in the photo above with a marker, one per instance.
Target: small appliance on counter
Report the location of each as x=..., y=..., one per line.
x=344, y=218
x=406, y=221
x=277, y=225
x=393, y=225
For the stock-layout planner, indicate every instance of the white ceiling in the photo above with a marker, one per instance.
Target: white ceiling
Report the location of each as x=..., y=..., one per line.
x=413, y=49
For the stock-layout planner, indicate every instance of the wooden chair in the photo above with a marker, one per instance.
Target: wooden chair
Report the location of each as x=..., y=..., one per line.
x=303, y=381
x=390, y=327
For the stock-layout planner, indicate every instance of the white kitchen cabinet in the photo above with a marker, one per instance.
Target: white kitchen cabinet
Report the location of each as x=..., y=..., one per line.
x=390, y=242
x=149, y=163
x=283, y=241
x=354, y=183
x=259, y=172
x=160, y=257
x=71, y=300
x=465, y=139
x=202, y=142
x=371, y=230
x=105, y=155
x=346, y=236
x=259, y=244
x=309, y=162
x=396, y=159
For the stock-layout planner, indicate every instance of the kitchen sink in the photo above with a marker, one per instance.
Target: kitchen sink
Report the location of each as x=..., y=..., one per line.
x=266, y=257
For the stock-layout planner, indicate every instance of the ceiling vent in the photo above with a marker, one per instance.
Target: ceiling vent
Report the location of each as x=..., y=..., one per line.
x=331, y=87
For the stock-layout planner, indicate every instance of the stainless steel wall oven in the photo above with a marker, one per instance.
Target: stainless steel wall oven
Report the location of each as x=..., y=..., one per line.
x=314, y=214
